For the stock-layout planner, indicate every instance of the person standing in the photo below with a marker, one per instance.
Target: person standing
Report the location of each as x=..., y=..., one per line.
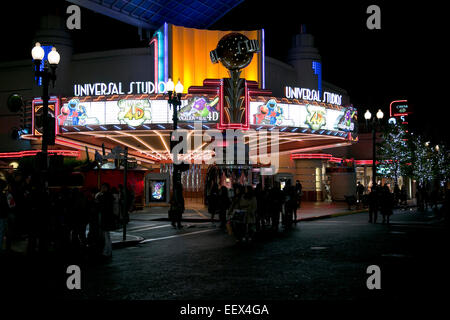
x=176, y=209
x=359, y=191
x=396, y=194
x=298, y=191
x=248, y=203
x=223, y=204
x=276, y=197
x=290, y=204
x=105, y=202
x=259, y=193
x=373, y=204
x=213, y=200
x=386, y=203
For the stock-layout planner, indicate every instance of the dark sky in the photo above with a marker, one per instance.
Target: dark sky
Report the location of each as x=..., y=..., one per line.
x=405, y=59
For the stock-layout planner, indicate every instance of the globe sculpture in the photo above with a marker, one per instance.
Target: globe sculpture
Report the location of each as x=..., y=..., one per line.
x=235, y=52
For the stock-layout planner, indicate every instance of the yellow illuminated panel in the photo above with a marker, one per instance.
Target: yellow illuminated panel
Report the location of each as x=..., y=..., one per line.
x=190, y=60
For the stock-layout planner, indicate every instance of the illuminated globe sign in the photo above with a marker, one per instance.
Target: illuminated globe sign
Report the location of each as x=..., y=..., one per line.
x=234, y=51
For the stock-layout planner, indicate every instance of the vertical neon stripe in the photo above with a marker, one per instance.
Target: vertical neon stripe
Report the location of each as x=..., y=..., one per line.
x=263, y=53
x=166, y=51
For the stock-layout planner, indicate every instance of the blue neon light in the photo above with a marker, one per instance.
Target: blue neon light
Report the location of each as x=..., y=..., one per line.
x=160, y=56
x=161, y=126
x=317, y=67
x=295, y=129
x=118, y=128
x=166, y=51
x=146, y=127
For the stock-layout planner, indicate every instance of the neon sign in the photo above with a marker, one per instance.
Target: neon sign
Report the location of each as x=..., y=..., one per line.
x=313, y=95
x=112, y=88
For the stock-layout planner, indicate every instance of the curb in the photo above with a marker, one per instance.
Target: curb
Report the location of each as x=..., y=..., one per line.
x=344, y=213
x=117, y=244
x=339, y=214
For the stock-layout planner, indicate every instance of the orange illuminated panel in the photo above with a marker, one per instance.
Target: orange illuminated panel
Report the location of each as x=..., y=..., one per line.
x=189, y=58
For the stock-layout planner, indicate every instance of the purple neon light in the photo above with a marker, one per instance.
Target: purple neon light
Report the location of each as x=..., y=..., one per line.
x=166, y=52
x=263, y=59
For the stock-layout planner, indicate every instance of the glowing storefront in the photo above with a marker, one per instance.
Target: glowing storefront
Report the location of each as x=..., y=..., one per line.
x=136, y=114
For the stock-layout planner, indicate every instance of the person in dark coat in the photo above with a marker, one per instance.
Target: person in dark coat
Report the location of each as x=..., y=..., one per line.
x=396, y=194
x=213, y=201
x=373, y=204
x=359, y=191
x=223, y=205
x=105, y=200
x=290, y=204
x=176, y=209
x=386, y=203
x=276, y=204
x=259, y=193
x=298, y=191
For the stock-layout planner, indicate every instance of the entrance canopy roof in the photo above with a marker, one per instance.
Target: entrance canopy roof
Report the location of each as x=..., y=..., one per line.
x=151, y=14
x=153, y=146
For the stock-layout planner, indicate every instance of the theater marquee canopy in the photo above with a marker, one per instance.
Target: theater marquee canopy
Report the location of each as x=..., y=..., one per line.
x=143, y=123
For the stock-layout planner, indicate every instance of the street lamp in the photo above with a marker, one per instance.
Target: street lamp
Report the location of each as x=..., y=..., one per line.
x=47, y=74
x=373, y=122
x=175, y=102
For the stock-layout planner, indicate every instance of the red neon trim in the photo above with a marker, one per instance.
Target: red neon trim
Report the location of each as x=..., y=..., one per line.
x=311, y=156
x=390, y=106
x=27, y=153
x=52, y=99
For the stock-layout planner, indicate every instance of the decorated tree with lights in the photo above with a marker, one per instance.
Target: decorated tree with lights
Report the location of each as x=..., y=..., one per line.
x=423, y=160
x=430, y=163
x=394, y=152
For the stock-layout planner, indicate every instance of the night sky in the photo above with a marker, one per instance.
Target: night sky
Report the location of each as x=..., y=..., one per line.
x=406, y=59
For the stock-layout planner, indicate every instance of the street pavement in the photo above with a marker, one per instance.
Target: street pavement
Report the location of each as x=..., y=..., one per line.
x=324, y=260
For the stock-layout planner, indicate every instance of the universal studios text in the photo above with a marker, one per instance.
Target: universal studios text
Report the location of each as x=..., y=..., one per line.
x=112, y=88
x=229, y=147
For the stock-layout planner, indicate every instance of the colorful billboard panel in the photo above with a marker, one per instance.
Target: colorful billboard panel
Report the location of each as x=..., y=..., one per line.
x=136, y=112
x=315, y=117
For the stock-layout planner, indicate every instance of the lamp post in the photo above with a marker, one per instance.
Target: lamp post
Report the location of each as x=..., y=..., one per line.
x=47, y=74
x=374, y=122
x=175, y=102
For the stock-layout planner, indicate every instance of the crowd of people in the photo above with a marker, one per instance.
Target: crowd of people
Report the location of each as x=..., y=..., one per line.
x=63, y=220
x=261, y=208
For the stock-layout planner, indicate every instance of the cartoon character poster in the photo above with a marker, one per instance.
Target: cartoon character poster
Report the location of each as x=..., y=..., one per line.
x=348, y=119
x=134, y=112
x=269, y=114
x=158, y=190
x=74, y=114
x=199, y=109
x=316, y=117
